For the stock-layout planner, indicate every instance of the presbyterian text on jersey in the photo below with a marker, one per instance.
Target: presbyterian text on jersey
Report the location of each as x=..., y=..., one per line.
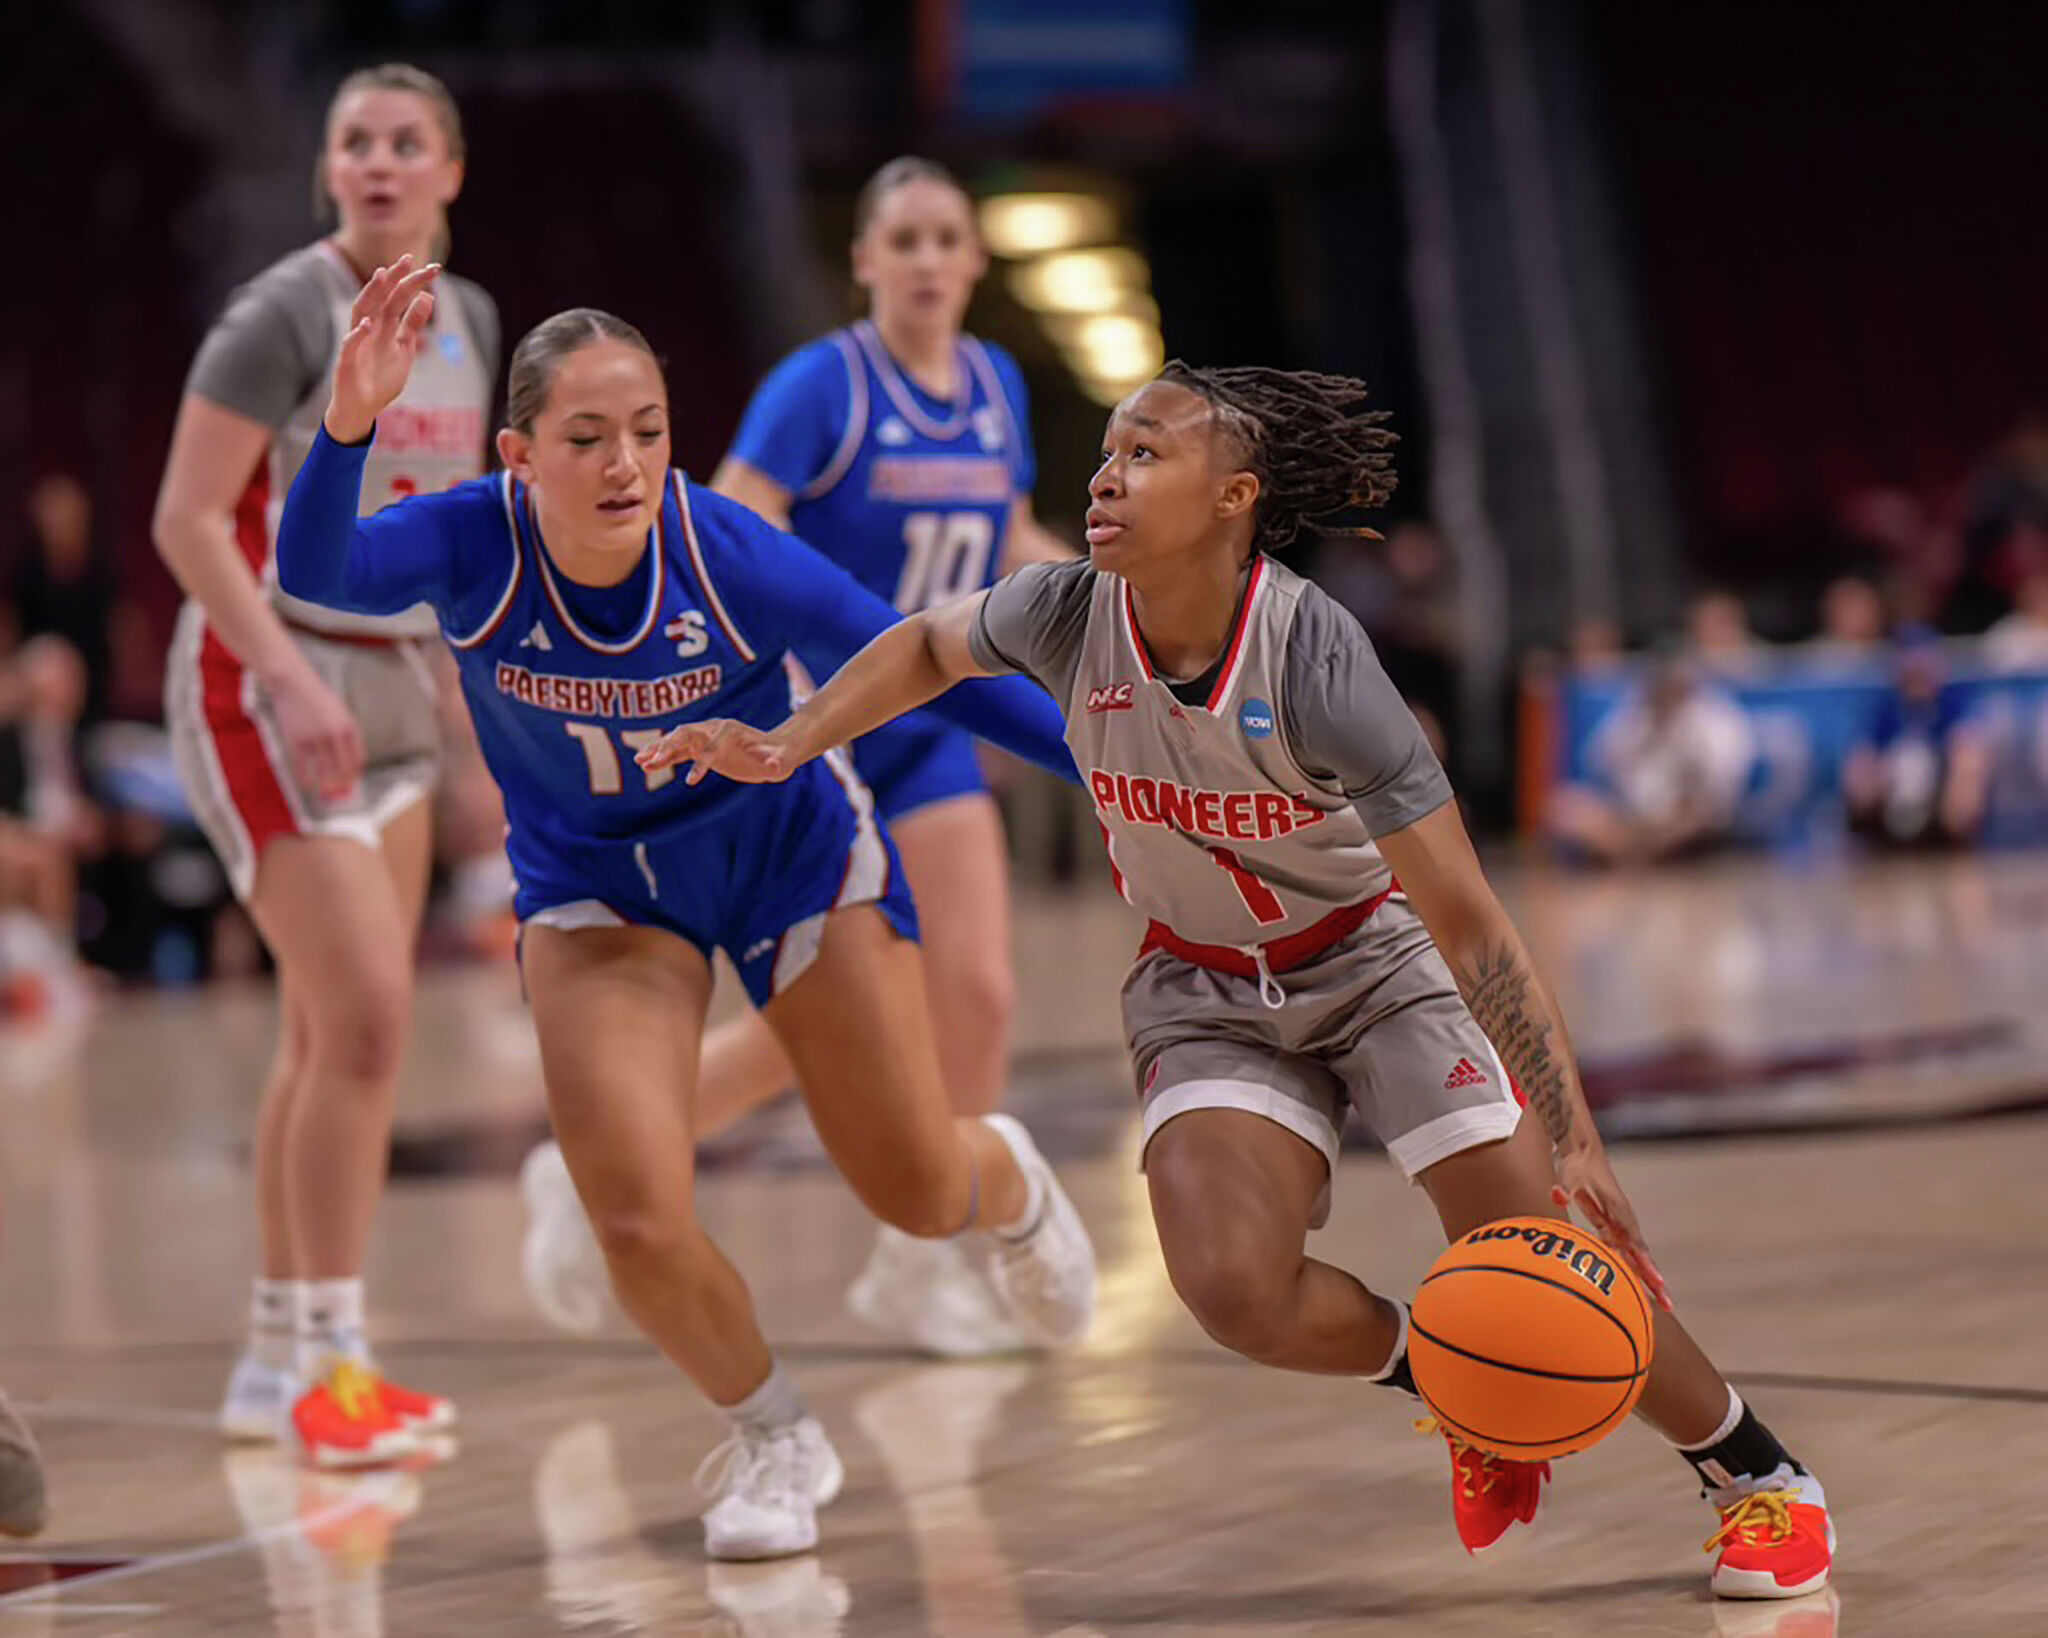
x=607, y=696
x=1226, y=816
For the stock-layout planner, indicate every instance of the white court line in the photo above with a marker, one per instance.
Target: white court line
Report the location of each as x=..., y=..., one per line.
x=109, y=1609
x=150, y=1563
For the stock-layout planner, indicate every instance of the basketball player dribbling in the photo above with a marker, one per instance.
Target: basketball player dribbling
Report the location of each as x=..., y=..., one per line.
x=899, y=447
x=589, y=593
x=307, y=742
x=1322, y=935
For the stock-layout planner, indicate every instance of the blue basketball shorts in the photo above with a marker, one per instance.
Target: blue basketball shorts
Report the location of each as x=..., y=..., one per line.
x=758, y=884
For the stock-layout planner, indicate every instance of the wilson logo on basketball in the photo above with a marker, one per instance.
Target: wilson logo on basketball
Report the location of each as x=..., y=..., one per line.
x=1115, y=697
x=1589, y=1264
x=1466, y=1073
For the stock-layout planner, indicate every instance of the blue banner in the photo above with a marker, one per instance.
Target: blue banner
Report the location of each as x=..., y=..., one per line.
x=1806, y=721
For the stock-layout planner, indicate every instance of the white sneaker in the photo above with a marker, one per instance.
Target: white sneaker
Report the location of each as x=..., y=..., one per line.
x=936, y=1295
x=769, y=1488
x=24, y=1504
x=258, y=1406
x=1048, y=1276
x=561, y=1261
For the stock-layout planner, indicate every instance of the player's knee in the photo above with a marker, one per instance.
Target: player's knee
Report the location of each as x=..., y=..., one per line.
x=641, y=1232
x=357, y=1031
x=976, y=986
x=1235, y=1294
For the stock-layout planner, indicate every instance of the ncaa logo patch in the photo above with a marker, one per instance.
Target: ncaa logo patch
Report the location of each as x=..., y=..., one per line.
x=451, y=346
x=1255, y=717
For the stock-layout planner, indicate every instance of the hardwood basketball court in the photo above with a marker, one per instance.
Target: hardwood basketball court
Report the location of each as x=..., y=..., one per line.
x=1875, y=1278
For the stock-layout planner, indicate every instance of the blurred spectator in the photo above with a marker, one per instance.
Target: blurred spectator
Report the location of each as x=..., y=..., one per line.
x=2005, y=527
x=2019, y=641
x=1670, y=766
x=1852, y=624
x=62, y=583
x=1418, y=638
x=44, y=822
x=1915, y=555
x=1595, y=644
x=1852, y=613
x=1403, y=592
x=1921, y=776
x=1717, y=631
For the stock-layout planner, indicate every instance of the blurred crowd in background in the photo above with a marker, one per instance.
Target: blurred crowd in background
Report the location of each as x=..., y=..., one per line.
x=1708, y=532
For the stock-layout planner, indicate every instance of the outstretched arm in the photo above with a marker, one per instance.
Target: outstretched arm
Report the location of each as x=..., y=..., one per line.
x=911, y=663
x=1437, y=868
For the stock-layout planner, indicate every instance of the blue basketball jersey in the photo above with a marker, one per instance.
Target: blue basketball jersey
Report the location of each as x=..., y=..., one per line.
x=910, y=494
x=563, y=697
x=566, y=682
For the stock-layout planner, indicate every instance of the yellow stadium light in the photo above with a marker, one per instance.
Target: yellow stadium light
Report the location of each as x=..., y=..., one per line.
x=1117, y=347
x=1080, y=281
x=1030, y=224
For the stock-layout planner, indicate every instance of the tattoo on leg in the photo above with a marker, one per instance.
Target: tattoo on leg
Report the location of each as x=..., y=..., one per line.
x=1501, y=991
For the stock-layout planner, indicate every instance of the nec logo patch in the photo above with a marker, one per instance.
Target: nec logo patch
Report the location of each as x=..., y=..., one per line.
x=1116, y=697
x=1255, y=717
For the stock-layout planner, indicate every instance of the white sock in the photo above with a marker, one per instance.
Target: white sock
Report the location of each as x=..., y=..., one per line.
x=770, y=1408
x=1400, y=1348
x=1020, y=1226
x=330, y=1322
x=1727, y=1424
x=274, y=1322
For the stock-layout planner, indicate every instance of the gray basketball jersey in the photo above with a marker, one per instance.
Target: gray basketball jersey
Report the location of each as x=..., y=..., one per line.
x=271, y=357
x=1246, y=817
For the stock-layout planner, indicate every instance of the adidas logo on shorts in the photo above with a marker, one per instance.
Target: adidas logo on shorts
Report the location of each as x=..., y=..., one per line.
x=1464, y=1073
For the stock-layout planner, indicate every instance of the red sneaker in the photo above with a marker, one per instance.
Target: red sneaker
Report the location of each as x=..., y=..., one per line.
x=422, y=1412
x=1776, y=1543
x=342, y=1422
x=1490, y=1494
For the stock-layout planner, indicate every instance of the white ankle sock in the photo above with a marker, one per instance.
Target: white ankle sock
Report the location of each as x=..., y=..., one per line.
x=1399, y=1354
x=770, y=1408
x=274, y=1322
x=330, y=1322
x=1020, y=1226
x=1727, y=1426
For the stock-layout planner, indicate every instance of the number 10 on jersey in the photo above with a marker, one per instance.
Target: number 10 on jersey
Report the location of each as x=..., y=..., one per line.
x=946, y=558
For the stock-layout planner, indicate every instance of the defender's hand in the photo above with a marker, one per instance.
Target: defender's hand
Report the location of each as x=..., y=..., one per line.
x=721, y=746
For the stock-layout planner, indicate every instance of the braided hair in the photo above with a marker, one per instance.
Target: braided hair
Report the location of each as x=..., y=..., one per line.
x=1302, y=434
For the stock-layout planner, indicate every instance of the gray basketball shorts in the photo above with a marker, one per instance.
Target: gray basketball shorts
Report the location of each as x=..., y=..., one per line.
x=1375, y=1023
x=233, y=762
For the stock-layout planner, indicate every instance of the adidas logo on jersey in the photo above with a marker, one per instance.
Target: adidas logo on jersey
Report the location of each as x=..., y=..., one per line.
x=892, y=431
x=1466, y=1073
x=538, y=638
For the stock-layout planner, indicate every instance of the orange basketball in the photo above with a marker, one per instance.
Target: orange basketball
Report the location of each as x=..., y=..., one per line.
x=1531, y=1339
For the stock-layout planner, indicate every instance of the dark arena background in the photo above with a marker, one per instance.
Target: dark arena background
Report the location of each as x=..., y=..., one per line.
x=1717, y=577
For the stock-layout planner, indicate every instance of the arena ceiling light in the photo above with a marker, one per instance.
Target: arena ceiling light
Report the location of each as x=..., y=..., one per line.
x=1101, y=280
x=1031, y=224
x=1117, y=347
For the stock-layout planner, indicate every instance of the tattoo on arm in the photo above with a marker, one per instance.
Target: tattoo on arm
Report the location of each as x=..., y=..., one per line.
x=1501, y=991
